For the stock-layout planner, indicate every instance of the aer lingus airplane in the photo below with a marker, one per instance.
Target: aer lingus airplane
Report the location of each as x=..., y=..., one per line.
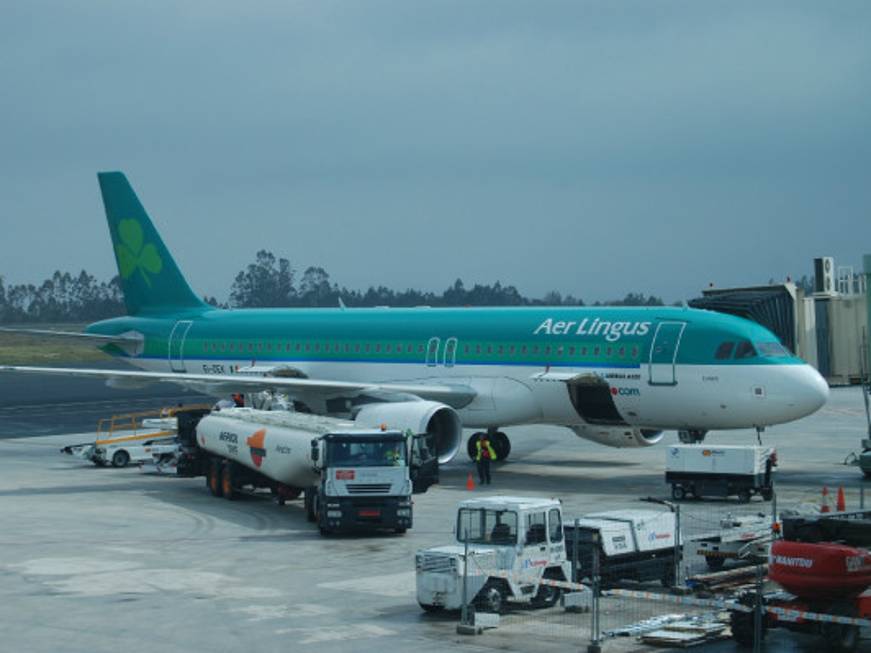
x=617, y=376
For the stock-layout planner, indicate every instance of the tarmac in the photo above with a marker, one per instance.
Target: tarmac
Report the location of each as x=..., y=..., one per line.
x=101, y=559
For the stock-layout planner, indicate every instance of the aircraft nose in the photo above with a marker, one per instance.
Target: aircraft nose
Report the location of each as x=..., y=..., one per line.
x=812, y=392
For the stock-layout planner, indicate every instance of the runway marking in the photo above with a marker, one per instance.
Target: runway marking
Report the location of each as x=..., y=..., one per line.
x=337, y=633
x=392, y=585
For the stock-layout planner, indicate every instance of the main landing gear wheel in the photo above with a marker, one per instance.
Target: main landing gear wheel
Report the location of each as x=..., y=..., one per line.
x=691, y=436
x=472, y=445
x=499, y=441
x=502, y=445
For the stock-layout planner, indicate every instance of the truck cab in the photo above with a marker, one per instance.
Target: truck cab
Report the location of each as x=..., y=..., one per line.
x=505, y=547
x=366, y=480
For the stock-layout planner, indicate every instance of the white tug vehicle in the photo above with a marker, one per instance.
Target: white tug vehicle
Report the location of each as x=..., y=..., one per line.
x=505, y=546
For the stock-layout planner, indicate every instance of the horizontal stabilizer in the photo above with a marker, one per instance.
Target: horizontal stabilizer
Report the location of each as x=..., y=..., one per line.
x=92, y=338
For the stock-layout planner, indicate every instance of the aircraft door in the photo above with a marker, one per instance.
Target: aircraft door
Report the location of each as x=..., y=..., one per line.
x=432, y=352
x=176, y=345
x=663, y=352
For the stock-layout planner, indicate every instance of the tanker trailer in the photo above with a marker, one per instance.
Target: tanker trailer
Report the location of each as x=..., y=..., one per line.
x=352, y=478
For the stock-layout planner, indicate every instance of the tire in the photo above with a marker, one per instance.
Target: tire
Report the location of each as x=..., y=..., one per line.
x=744, y=496
x=866, y=473
x=120, y=459
x=694, y=491
x=767, y=494
x=546, y=597
x=502, y=444
x=715, y=563
x=491, y=598
x=400, y=531
x=471, y=445
x=431, y=609
x=213, y=477
x=228, y=488
x=678, y=493
x=309, y=502
x=840, y=638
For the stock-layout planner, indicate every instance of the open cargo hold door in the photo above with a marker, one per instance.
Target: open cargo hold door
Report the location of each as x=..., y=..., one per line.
x=424, y=462
x=591, y=396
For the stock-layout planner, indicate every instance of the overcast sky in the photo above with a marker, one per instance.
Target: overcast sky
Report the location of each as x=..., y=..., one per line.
x=594, y=148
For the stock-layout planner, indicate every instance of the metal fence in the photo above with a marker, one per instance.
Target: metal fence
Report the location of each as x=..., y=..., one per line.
x=712, y=581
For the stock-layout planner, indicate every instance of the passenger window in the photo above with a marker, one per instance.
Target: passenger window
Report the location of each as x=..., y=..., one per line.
x=745, y=350
x=555, y=525
x=523, y=349
x=724, y=351
x=536, y=531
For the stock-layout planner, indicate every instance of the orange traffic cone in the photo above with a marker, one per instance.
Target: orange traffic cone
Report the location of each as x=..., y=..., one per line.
x=470, y=483
x=841, y=505
x=825, y=507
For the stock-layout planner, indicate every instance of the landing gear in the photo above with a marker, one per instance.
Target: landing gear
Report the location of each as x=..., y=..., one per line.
x=759, y=430
x=691, y=436
x=498, y=440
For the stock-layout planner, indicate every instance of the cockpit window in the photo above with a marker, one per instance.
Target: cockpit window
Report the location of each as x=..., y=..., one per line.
x=771, y=349
x=745, y=350
x=724, y=350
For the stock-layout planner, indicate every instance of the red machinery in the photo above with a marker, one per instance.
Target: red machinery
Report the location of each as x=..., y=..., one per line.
x=825, y=565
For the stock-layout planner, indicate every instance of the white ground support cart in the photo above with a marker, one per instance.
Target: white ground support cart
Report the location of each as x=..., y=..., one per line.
x=145, y=437
x=636, y=545
x=505, y=547
x=722, y=471
x=741, y=537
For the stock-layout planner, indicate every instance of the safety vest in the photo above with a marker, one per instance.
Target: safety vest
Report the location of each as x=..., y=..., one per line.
x=492, y=453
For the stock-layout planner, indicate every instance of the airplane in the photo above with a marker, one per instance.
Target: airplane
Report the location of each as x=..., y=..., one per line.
x=615, y=375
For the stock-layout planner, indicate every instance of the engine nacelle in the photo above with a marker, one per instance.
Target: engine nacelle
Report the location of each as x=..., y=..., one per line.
x=430, y=417
x=618, y=436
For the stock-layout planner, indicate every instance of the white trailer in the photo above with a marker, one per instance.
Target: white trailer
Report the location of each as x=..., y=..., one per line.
x=636, y=545
x=515, y=547
x=721, y=471
x=353, y=477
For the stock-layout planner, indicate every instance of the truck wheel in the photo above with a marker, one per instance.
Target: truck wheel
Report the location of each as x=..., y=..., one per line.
x=678, y=493
x=840, y=638
x=309, y=502
x=491, y=598
x=744, y=496
x=400, y=531
x=213, y=477
x=227, y=485
x=767, y=494
x=432, y=609
x=120, y=458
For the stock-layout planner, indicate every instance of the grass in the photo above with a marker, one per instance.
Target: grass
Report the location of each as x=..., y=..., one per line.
x=32, y=350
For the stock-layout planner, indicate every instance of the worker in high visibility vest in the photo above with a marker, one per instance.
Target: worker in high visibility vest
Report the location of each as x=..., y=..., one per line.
x=485, y=454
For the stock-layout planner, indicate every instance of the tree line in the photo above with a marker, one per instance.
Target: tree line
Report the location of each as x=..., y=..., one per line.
x=267, y=282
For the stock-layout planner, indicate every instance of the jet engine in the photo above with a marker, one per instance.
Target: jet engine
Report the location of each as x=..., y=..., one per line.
x=429, y=417
x=618, y=436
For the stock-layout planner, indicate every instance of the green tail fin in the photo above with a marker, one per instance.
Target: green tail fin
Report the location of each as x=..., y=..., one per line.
x=150, y=279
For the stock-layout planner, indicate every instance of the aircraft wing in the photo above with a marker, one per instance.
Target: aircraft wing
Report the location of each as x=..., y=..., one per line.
x=456, y=396
x=92, y=338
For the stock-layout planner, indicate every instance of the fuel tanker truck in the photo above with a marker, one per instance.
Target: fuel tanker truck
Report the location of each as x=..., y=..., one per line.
x=353, y=477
